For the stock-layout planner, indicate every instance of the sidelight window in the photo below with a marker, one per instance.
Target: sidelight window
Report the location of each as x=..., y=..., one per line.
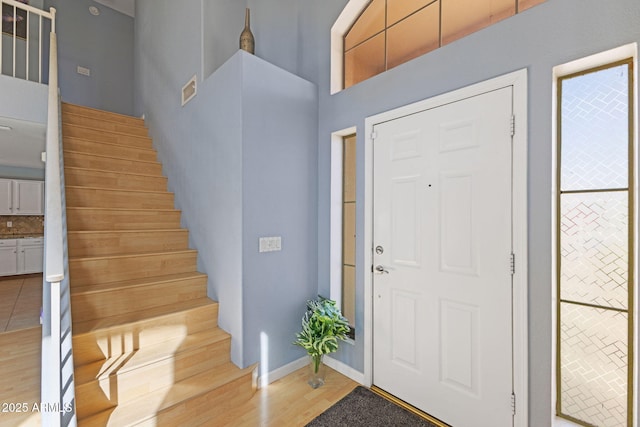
x=595, y=246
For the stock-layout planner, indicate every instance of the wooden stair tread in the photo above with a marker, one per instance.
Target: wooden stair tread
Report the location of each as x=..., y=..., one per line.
x=139, y=254
x=110, y=144
x=134, y=127
x=81, y=169
x=158, y=230
x=68, y=105
x=90, y=326
x=132, y=283
x=120, y=190
x=98, y=129
x=137, y=410
x=103, y=156
x=147, y=355
x=91, y=208
x=138, y=120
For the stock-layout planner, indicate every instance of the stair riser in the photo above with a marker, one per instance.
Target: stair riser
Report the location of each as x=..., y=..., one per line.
x=99, y=345
x=202, y=409
x=90, y=271
x=115, y=180
x=94, y=219
x=101, y=115
x=90, y=122
x=93, y=397
x=96, y=244
x=84, y=160
x=91, y=147
x=90, y=197
x=104, y=136
x=88, y=306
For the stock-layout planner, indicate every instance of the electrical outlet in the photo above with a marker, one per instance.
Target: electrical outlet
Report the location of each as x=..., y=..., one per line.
x=9, y=224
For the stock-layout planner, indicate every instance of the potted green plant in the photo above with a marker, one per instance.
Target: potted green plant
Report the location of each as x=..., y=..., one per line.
x=322, y=326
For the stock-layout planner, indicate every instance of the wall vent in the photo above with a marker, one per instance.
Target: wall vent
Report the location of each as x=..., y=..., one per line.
x=189, y=90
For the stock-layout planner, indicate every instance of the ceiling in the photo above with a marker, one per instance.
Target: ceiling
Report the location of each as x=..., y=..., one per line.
x=21, y=146
x=124, y=6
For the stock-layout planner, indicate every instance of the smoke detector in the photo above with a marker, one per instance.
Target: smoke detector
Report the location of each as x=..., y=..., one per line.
x=94, y=10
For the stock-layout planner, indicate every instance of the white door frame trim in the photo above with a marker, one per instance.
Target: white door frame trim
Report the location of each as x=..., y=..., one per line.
x=518, y=80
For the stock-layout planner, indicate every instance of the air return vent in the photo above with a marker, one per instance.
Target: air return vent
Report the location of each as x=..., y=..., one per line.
x=189, y=90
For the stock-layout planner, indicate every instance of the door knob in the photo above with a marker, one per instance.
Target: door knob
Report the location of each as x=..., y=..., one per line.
x=381, y=270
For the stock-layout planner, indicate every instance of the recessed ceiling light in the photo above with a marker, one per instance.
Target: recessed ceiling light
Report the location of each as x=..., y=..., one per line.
x=94, y=10
x=4, y=127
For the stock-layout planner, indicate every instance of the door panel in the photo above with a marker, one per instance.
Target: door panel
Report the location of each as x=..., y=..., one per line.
x=442, y=291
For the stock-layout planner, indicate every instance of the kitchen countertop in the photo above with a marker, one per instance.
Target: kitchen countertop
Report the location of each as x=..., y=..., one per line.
x=20, y=236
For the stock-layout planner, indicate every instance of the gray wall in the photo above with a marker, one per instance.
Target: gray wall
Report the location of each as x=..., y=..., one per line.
x=279, y=199
x=27, y=101
x=223, y=21
x=23, y=100
x=295, y=36
x=241, y=169
x=104, y=44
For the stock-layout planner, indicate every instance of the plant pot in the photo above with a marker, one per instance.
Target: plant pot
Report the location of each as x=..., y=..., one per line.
x=317, y=371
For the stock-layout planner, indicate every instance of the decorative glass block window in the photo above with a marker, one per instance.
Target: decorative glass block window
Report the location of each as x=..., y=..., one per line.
x=595, y=221
x=391, y=32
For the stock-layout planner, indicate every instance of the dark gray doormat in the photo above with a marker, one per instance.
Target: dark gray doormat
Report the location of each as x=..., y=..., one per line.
x=363, y=407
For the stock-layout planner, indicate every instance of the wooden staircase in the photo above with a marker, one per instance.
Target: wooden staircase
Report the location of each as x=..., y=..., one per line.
x=147, y=349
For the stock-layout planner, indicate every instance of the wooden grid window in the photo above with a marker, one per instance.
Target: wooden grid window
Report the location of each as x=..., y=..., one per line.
x=391, y=32
x=594, y=246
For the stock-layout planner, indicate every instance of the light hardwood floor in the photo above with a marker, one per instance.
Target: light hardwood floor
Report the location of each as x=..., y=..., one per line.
x=20, y=337
x=289, y=402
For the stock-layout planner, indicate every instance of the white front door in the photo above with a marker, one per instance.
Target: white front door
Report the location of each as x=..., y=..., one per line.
x=442, y=239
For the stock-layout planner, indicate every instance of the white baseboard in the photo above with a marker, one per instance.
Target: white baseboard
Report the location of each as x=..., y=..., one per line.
x=283, y=371
x=344, y=369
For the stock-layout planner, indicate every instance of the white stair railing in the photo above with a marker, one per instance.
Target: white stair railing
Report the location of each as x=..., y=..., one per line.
x=57, y=386
x=22, y=30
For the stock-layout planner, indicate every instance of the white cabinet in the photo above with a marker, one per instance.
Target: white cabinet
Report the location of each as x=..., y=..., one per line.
x=6, y=197
x=28, y=197
x=30, y=255
x=8, y=257
x=21, y=256
x=21, y=197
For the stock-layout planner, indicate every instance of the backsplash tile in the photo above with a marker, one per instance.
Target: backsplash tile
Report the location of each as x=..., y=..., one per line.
x=22, y=225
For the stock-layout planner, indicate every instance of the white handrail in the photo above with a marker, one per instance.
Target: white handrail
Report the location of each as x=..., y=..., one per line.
x=29, y=10
x=54, y=267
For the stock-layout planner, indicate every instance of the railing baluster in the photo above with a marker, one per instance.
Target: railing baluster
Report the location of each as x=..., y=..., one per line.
x=26, y=38
x=1, y=38
x=15, y=27
x=40, y=50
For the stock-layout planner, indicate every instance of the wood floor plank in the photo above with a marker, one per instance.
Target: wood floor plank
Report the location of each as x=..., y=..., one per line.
x=289, y=401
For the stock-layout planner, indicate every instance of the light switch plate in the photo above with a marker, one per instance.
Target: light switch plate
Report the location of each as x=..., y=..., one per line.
x=84, y=71
x=270, y=244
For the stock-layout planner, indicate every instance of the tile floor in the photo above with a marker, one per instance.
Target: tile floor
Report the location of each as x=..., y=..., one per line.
x=20, y=302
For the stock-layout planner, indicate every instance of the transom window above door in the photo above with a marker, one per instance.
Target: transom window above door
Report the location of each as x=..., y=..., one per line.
x=388, y=33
